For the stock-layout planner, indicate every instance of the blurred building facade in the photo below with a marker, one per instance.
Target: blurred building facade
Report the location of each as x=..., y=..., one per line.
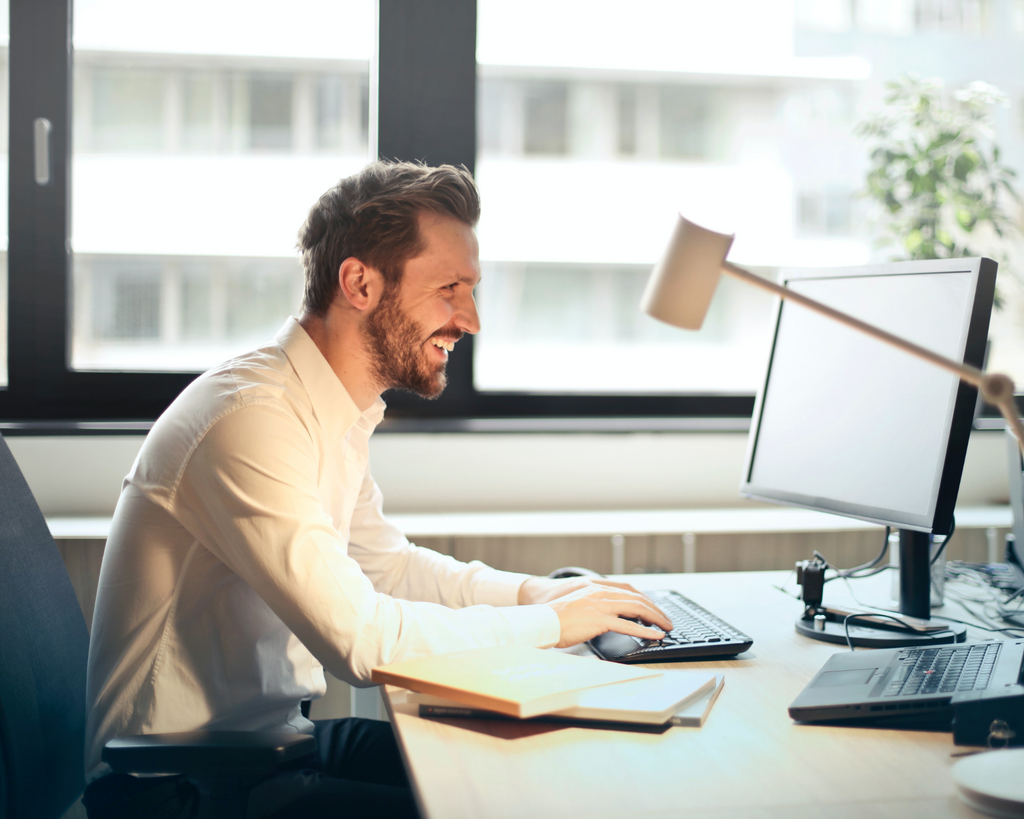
x=194, y=165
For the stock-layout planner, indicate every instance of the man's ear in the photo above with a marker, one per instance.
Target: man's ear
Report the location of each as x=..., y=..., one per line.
x=359, y=284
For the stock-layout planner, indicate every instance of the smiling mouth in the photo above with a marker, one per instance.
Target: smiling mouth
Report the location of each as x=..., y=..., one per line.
x=443, y=344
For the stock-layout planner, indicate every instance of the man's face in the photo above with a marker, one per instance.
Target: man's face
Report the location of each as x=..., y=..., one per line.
x=410, y=331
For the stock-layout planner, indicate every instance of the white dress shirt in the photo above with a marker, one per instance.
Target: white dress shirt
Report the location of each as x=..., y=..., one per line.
x=249, y=551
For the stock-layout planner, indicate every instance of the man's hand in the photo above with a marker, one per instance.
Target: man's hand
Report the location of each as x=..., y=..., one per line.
x=588, y=607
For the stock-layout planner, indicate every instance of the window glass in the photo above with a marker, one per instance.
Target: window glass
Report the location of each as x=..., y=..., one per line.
x=127, y=110
x=269, y=101
x=545, y=114
x=203, y=132
x=598, y=127
x=684, y=121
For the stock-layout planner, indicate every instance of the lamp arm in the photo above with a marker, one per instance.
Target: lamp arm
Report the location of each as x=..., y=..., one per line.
x=996, y=389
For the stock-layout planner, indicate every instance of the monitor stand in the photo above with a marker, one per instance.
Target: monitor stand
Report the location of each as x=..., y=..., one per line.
x=867, y=631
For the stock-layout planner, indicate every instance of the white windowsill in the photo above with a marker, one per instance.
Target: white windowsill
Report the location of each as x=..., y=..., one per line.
x=597, y=523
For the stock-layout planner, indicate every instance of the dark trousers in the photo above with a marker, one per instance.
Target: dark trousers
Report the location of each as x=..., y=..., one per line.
x=356, y=772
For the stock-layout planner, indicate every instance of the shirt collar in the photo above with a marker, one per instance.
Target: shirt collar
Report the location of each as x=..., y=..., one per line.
x=332, y=405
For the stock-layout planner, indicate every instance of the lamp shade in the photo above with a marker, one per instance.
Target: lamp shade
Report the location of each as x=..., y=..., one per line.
x=682, y=284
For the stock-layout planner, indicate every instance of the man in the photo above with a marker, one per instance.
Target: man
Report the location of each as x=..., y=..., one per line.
x=249, y=551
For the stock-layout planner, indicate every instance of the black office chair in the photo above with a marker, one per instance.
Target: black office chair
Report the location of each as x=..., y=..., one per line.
x=43, y=649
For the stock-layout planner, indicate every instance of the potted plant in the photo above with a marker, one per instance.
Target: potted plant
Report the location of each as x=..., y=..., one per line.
x=937, y=174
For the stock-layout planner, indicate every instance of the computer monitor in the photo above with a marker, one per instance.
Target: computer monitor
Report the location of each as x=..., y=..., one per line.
x=848, y=425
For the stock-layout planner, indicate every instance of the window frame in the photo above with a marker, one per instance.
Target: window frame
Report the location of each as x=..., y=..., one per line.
x=41, y=385
x=423, y=101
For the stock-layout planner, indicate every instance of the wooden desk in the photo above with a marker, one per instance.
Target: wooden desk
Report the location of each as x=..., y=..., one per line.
x=749, y=759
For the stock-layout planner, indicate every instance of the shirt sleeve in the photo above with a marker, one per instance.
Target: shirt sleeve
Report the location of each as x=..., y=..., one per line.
x=249, y=493
x=400, y=569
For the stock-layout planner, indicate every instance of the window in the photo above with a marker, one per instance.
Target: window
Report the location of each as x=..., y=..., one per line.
x=613, y=143
x=199, y=111
x=951, y=15
x=684, y=122
x=127, y=110
x=164, y=240
x=627, y=120
x=545, y=118
x=827, y=212
x=269, y=103
x=195, y=162
x=747, y=128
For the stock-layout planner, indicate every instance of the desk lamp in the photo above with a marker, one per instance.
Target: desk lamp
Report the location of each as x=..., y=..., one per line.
x=682, y=284
x=679, y=293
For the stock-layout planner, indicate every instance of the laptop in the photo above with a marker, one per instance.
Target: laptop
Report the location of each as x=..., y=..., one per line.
x=910, y=686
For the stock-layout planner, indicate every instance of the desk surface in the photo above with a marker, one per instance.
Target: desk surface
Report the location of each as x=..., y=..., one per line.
x=748, y=760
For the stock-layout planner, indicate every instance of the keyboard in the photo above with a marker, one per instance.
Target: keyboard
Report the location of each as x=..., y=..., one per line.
x=943, y=670
x=696, y=632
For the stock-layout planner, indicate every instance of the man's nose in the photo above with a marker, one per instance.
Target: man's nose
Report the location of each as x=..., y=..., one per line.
x=467, y=317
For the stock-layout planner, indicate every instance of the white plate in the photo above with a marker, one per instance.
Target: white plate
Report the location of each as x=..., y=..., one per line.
x=993, y=782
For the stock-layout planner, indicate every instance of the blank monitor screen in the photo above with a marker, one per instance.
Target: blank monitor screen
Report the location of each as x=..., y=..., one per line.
x=847, y=424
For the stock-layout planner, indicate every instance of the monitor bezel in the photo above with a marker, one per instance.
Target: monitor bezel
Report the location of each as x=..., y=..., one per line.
x=959, y=421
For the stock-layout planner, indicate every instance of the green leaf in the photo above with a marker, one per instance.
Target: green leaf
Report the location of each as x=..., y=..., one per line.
x=943, y=139
x=966, y=219
x=963, y=165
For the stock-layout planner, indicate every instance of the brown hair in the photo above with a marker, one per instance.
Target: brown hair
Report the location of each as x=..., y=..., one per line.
x=372, y=216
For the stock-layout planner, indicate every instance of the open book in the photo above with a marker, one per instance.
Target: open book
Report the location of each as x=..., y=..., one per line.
x=694, y=714
x=677, y=698
x=513, y=680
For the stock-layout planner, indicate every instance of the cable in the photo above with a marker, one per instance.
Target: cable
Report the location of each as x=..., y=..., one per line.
x=903, y=627
x=995, y=630
x=782, y=588
x=1015, y=615
x=1018, y=593
x=939, y=552
x=956, y=573
x=872, y=573
x=858, y=572
x=994, y=608
x=854, y=571
x=871, y=563
x=990, y=627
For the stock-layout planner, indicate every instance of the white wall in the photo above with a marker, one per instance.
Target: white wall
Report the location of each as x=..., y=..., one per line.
x=452, y=472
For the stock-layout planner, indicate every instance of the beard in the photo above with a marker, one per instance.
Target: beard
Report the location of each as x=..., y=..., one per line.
x=396, y=351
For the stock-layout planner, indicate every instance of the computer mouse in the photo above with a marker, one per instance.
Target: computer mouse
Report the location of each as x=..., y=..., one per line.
x=573, y=571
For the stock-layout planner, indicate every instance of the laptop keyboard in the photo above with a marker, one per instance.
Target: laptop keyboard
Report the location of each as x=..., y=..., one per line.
x=943, y=670
x=696, y=632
